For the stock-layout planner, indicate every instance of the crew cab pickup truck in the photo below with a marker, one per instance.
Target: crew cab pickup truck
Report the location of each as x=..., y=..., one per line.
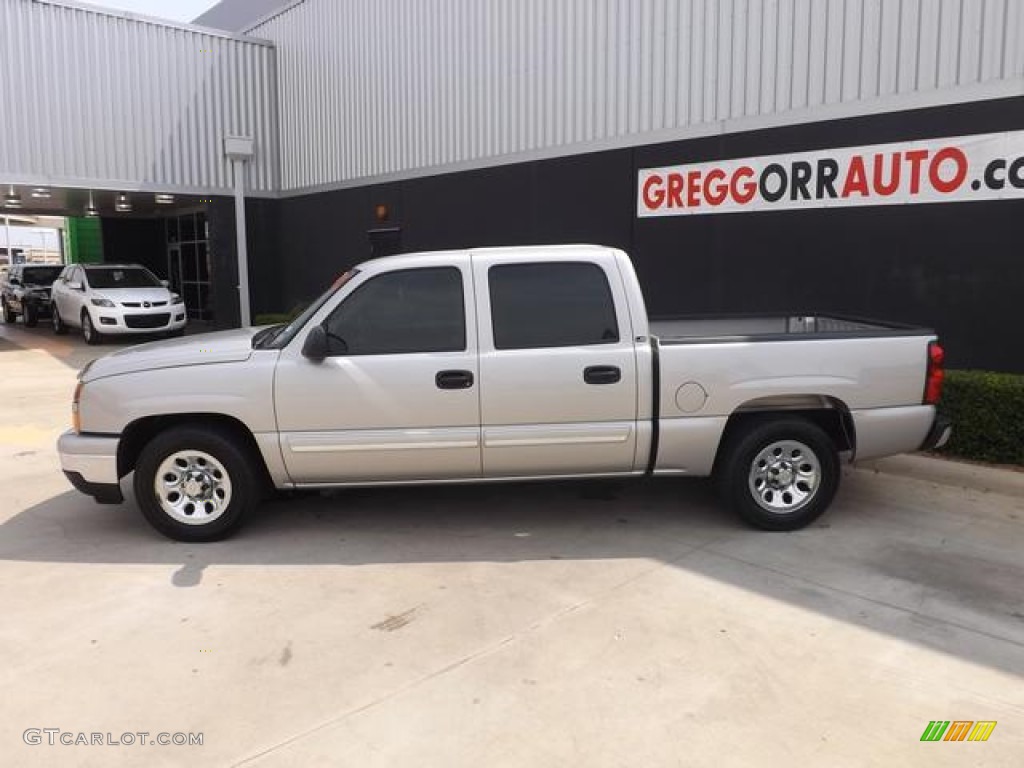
x=498, y=365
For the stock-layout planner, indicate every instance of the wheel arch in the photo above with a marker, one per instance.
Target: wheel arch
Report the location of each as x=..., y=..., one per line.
x=828, y=413
x=139, y=433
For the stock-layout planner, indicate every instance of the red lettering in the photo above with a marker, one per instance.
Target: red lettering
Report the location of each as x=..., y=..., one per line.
x=915, y=157
x=654, y=193
x=675, y=190
x=715, y=187
x=743, y=194
x=894, y=175
x=959, y=159
x=693, y=189
x=856, y=178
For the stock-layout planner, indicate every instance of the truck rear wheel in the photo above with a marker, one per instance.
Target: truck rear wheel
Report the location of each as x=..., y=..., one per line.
x=9, y=316
x=779, y=474
x=195, y=483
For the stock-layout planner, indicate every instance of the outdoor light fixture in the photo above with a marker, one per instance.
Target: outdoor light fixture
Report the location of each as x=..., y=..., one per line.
x=91, y=210
x=12, y=199
x=164, y=199
x=123, y=204
x=41, y=193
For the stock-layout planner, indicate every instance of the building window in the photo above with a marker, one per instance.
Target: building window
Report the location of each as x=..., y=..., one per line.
x=188, y=262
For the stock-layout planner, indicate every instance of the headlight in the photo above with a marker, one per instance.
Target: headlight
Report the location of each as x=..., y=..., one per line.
x=102, y=303
x=176, y=299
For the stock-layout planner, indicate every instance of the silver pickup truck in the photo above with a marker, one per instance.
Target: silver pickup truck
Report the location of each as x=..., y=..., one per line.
x=496, y=365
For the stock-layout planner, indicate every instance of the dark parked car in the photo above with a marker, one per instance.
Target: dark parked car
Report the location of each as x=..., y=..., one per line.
x=26, y=292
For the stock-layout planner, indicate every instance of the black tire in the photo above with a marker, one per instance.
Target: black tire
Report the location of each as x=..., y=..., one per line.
x=9, y=316
x=31, y=316
x=225, y=450
x=779, y=473
x=89, y=333
x=58, y=324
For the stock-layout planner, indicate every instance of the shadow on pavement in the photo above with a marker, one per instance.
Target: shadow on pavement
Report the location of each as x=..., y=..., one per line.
x=898, y=566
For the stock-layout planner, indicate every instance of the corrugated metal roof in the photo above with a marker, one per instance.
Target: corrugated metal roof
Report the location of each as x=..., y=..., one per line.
x=237, y=15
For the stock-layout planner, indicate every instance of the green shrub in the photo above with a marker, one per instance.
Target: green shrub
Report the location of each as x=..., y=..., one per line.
x=987, y=410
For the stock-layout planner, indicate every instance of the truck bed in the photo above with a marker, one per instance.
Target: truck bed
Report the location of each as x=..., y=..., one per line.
x=706, y=329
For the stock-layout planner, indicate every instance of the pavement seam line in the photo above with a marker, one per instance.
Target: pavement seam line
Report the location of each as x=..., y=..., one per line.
x=469, y=658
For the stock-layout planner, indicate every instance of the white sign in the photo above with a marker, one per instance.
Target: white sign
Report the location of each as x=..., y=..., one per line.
x=983, y=167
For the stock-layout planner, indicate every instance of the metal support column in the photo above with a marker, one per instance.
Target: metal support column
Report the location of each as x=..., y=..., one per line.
x=239, y=150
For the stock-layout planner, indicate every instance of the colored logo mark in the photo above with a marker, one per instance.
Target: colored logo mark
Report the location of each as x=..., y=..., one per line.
x=958, y=730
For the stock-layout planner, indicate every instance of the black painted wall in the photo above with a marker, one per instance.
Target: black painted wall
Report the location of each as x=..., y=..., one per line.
x=135, y=241
x=954, y=267
x=267, y=262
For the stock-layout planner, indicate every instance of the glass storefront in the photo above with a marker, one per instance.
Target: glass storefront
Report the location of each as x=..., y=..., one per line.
x=188, y=262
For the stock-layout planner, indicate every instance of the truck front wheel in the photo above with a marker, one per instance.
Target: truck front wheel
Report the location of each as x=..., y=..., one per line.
x=779, y=474
x=194, y=483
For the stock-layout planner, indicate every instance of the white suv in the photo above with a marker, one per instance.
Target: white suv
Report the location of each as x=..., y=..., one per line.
x=108, y=299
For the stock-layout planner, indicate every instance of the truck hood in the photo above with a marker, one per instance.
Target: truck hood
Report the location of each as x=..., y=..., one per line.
x=207, y=349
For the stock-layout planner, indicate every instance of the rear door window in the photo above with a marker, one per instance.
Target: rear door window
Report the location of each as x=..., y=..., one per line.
x=561, y=304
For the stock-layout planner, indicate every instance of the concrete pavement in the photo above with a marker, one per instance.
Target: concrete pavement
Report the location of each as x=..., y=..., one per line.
x=563, y=625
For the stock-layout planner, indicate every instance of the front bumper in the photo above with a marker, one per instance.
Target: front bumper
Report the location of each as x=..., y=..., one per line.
x=90, y=464
x=139, y=320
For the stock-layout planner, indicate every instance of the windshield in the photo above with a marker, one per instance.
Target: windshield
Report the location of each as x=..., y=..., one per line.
x=41, y=275
x=121, y=277
x=280, y=339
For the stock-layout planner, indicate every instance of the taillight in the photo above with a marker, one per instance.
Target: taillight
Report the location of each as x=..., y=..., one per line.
x=933, y=379
x=76, y=417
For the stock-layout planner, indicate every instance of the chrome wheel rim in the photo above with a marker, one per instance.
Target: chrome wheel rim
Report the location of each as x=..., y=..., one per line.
x=784, y=477
x=192, y=487
x=87, y=328
x=56, y=320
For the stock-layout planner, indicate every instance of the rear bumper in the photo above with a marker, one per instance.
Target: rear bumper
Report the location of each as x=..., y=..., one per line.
x=90, y=464
x=884, y=432
x=42, y=307
x=938, y=435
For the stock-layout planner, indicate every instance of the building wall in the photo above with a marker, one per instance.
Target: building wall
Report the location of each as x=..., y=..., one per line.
x=269, y=260
x=83, y=241
x=102, y=100
x=135, y=241
x=372, y=89
x=951, y=266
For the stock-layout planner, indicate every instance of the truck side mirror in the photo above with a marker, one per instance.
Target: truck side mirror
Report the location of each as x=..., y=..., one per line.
x=315, y=346
x=165, y=283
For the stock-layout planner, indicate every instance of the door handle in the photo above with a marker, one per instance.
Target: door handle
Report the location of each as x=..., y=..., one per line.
x=602, y=374
x=454, y=380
